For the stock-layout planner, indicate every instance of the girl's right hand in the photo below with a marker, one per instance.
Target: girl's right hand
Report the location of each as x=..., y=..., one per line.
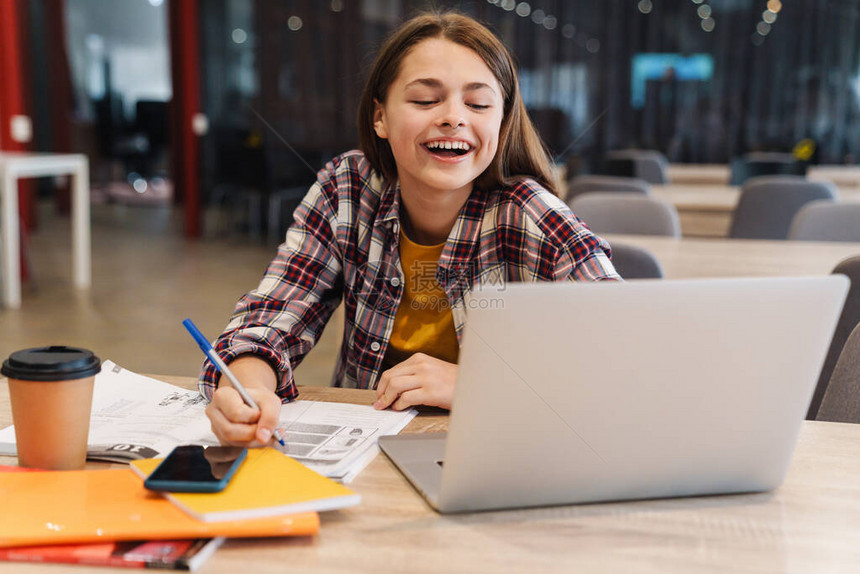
x=234, y=422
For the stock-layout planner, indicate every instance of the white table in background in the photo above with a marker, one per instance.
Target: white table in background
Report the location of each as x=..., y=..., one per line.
x=18, y=165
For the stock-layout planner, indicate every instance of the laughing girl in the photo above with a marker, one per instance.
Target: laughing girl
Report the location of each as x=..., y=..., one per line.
x=451, y=190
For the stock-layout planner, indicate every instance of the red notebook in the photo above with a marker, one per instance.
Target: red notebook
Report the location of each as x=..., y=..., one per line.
x=161, y=554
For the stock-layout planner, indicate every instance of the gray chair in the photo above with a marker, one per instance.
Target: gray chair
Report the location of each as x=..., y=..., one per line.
x=650, y=165
x=633, y=262
x=768, y=204
x=841, y=402
x=826, y=220
x=848, y=321
x=632, y=213
x=589, y=183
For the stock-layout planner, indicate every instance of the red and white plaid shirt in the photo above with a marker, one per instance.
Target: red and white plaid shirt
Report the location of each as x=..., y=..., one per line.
x=344, y=247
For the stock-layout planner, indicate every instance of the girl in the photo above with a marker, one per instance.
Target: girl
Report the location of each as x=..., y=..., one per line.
x=451, y=190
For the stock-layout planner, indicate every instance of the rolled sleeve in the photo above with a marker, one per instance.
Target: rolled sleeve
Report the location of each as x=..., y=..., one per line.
x=233, y=348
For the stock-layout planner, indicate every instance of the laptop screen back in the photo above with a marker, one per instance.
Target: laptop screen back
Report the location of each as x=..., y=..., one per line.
x=586, y=392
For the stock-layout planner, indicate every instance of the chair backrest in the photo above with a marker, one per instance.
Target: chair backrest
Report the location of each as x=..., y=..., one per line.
x=633, y=262
x=848, y=321
x=762, y=164
x=841, y=402
x=605, y=183
x=826, y=220
x=768, y=204
x=650, y=165
x=633, y=213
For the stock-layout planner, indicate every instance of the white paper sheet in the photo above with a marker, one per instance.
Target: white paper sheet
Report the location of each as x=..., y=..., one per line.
x=134, y=417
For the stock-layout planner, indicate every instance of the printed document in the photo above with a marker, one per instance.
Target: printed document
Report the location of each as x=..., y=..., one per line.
x=136, y=417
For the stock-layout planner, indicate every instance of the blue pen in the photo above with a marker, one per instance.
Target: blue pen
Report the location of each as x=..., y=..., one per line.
x=206, y=347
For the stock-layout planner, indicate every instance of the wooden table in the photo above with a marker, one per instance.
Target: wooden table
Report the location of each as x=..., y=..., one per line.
x=706, y=210
x=17, y=165
x=688, y=258
x=810, y=524
x=844, y=176
x=699, y=173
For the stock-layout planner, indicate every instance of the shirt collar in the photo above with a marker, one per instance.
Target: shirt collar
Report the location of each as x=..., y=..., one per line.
x=389, y=204
x=464, y=237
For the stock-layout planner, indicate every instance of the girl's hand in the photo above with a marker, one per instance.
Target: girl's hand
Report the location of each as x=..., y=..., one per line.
x=234, y=422
x=419, y=380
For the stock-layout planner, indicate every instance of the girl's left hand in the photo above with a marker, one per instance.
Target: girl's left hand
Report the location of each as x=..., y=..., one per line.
x=419, y=380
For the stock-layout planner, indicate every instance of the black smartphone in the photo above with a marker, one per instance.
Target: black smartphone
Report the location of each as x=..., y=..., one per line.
x=193, y=468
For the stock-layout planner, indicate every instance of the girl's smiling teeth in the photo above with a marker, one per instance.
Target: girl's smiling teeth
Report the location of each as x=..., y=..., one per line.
x=448, y=148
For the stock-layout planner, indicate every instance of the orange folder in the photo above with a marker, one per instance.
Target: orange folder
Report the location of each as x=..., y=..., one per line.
x=77, y=506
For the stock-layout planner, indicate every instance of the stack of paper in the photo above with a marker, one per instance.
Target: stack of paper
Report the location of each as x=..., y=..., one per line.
x=270, y=495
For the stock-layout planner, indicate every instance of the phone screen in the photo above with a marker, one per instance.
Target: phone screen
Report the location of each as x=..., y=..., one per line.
x=193, y=468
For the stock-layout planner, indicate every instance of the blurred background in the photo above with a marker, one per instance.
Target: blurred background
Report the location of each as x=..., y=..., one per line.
x=273, y=84
x=205, y=121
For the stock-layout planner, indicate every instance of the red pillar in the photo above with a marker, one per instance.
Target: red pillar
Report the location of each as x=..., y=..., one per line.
x=12, y=84
x=13, y=103
x=61, y=98
x=185, y=73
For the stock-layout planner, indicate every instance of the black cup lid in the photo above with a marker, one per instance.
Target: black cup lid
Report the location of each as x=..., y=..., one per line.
x=55, y=363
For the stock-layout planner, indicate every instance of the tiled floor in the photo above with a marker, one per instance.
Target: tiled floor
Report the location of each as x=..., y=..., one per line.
x=146, y=279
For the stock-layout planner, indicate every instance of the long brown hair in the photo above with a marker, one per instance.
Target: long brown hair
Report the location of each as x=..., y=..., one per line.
x=521, y=151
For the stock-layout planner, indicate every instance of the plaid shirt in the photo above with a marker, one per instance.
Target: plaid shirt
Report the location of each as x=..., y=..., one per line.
x=344, y=246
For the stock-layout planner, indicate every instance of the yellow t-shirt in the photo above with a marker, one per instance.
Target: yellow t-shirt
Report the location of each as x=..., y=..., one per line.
x=423, y=322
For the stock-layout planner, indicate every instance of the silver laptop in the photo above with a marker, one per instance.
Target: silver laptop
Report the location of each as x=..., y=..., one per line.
x=571, y=393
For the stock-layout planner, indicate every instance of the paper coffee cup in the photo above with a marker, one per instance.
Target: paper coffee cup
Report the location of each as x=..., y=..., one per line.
x=51, y=391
